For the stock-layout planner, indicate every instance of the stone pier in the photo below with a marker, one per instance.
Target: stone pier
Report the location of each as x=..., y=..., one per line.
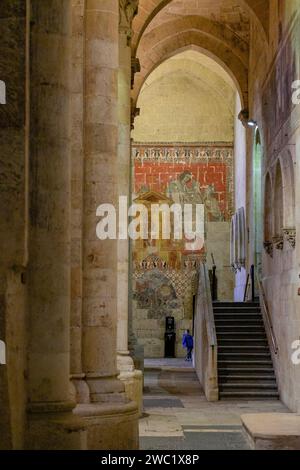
x=111, y=418
x=131, y=377
x=51, y=423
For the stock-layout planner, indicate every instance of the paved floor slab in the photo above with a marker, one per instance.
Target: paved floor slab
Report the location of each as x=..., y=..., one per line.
x=178, y=416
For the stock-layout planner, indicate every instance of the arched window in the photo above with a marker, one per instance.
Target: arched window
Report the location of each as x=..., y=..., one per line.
x=268, y=229
x=278, y=202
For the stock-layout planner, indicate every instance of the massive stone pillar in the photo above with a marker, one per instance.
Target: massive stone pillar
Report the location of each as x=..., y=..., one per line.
x=80, y=391
x=132, y=378
x=110, y=416
x=13, y=224
x=51, y=424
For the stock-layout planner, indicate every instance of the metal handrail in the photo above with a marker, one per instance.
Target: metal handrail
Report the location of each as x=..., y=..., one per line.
x=246, y=287
x=266, y=315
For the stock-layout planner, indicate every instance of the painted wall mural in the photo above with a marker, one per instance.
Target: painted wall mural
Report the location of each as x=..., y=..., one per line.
x=165, y=271
x=188, y=174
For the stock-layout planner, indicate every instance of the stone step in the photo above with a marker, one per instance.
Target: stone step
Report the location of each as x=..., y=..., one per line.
x=257, y=378
x=240, y=335
x=245, y=363
x=237, y=311
x=246, y=371
x=272, y=431
x=250, y=395
x=242, y=328
x=236, y=304
x=245, y=356
x=235, y=386
x=243, y=342
x=231, y=317
x=239, y=317
x=244, y=348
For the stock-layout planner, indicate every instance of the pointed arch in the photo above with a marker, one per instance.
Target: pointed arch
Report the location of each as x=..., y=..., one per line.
x=149, y=9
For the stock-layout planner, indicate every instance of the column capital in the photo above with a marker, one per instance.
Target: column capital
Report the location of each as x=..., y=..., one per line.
x=135, y=68
x=134, y=113
x=128, y=9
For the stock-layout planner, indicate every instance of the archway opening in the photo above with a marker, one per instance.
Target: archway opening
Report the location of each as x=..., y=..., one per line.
x=182, y=152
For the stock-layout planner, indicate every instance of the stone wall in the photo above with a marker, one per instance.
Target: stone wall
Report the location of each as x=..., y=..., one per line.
x=270, y=89
x=13, y=218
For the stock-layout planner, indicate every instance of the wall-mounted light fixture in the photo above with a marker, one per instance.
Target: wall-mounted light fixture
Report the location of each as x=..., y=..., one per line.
x=251, y=123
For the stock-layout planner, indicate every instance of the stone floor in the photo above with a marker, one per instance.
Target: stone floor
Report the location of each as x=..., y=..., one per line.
x=177, y=415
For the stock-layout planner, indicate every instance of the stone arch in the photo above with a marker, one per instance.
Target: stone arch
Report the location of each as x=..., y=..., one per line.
x=278, y=201
x=268, y=215
x=169, y=46
x=148, y=9
x=197, y=23
x=288, y=177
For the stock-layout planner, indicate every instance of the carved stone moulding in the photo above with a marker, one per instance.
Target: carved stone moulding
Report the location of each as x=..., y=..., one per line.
x=134, y=113
x=269, y=247
x=290, y=236
x=135, y=68
x=127, y=11
x=278, y=242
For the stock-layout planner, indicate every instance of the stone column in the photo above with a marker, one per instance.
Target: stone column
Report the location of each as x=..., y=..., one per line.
x=111, y=417
x=81, y=391
x=51, y=423
x=132, y=378
x=13, y=241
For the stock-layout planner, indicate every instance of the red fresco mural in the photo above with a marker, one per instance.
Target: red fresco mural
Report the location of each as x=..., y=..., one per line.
x=204, y=174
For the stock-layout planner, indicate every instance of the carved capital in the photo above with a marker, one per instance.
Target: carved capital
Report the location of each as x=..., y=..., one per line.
x=244, y=117
x=135, y=68
x=127, y=11
x=278, y=242
x=134, y=113
x=290, y=236
x=268, y=246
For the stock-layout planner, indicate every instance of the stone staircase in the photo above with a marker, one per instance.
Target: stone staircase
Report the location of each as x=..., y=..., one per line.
x=245, y=367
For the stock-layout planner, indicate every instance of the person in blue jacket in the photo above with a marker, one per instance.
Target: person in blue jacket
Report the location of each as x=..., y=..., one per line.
x=188, y=343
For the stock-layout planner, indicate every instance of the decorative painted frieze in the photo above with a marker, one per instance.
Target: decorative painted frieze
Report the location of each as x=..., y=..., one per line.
x=178, y=153
x=278, y=242
x=269, y=248
x=290, y=236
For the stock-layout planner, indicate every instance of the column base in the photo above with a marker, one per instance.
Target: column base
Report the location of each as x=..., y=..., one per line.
x=110, y=426
x=105, y=389
x=137, y=354
x=54, y=427
x=132, y=380
x=79, y=389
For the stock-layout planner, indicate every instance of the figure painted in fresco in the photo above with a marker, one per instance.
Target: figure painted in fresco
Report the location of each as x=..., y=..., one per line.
x=212, y=206
x=185, y=190
x=156, y=293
